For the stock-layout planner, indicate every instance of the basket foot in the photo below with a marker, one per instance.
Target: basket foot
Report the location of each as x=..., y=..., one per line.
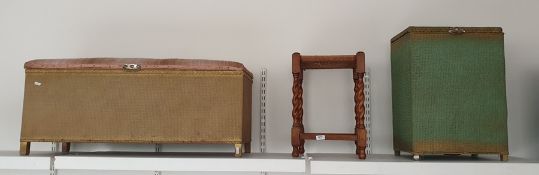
x=238, y=150
x=504, y=157
x=24, y=149
x=397, y=153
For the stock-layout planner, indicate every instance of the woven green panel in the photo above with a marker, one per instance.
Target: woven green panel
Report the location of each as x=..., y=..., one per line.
x=449, y=91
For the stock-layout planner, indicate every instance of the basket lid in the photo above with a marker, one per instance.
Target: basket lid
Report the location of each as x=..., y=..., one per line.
x=448, y=30
x=136, y=63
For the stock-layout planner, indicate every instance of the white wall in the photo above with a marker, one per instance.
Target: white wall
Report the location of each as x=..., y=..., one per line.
x=265, y=34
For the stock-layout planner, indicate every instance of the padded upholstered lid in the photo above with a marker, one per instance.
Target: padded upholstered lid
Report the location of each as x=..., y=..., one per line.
x=144, y=63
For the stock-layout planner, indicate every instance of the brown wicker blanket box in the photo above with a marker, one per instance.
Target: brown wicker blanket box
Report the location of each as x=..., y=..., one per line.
x=112, y=100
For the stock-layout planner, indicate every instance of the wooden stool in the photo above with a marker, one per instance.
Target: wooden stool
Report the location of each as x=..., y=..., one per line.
x=354, y=62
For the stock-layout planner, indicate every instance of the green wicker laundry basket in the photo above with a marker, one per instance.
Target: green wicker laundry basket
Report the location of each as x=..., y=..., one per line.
x=448, y=88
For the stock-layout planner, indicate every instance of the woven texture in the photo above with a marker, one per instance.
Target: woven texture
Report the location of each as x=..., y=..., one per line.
x=148, y=106
x=449, y=92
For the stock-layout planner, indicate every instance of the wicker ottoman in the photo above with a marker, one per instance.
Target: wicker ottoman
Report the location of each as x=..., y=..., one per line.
x=110, y=100
x=449, y=91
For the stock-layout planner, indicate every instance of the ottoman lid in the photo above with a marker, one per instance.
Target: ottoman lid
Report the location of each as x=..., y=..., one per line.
x=141, y=63
x=447, y=30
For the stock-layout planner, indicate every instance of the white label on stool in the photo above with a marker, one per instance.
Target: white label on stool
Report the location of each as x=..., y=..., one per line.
x=320, y=137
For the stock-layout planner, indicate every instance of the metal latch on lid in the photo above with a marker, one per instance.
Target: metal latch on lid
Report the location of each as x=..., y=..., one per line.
x=456, y=30
x=131, y=67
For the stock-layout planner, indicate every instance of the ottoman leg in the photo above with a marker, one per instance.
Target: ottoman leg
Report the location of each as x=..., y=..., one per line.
x=66, y=146
x=504, y=157
x=238, y=150
x=24, y=149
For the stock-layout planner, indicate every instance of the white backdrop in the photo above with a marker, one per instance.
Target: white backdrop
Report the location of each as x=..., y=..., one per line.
x=264, y=34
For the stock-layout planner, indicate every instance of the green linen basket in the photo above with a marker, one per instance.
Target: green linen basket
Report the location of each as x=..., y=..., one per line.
x=448, y=86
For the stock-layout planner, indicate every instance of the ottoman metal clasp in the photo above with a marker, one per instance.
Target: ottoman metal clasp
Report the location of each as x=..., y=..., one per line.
x=456, y=30
x=131, y=67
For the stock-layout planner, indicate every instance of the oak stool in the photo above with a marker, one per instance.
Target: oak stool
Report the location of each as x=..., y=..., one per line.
x=354, y=62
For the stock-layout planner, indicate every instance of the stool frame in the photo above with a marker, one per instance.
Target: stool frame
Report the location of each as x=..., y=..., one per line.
x=354, y=62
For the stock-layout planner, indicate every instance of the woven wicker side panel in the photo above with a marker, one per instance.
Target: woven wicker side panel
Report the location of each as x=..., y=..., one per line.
x=142, y=107
x=458, y=93
x=247, y=102
x=401, y=62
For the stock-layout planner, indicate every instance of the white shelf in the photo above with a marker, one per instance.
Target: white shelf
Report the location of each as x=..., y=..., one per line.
x=268, y=162
x=10, y=160
x=433, y=165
